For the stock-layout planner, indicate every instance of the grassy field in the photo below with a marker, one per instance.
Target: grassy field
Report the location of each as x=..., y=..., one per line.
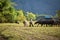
x=18, y=32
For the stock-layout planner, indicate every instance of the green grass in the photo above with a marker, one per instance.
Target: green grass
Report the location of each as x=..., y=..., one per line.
x=18, y=32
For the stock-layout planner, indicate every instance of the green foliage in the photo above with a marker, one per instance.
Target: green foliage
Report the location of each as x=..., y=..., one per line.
x=20, y=15
x=30, y=15
x=58, y=13
x=7, y=11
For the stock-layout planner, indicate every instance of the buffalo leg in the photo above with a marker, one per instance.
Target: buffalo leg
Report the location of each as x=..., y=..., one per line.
x=41, y=25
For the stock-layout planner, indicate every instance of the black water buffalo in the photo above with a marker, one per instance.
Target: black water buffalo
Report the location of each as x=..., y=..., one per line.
x=45, y=21
x=56, y=21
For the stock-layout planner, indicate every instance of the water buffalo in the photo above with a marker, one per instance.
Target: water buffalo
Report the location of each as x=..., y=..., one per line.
x=45, y=21
x=56, y=21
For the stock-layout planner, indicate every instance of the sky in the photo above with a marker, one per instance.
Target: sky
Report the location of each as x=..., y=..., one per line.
x=48, y=7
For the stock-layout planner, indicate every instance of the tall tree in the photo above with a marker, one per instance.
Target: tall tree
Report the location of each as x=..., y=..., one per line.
x=7, y=11
x=30, y=15
x=58, y=13
x=20, y=15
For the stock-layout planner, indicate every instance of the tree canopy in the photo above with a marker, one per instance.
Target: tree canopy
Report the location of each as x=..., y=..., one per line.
x=30, y=15
x=58, y=13
x=7, y=11
x=9, y=14
x=20, y=15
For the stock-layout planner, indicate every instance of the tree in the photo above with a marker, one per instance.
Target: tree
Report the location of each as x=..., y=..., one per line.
x=7, y=11
x=58, y=13
x=30, y=15
x=20, y=15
